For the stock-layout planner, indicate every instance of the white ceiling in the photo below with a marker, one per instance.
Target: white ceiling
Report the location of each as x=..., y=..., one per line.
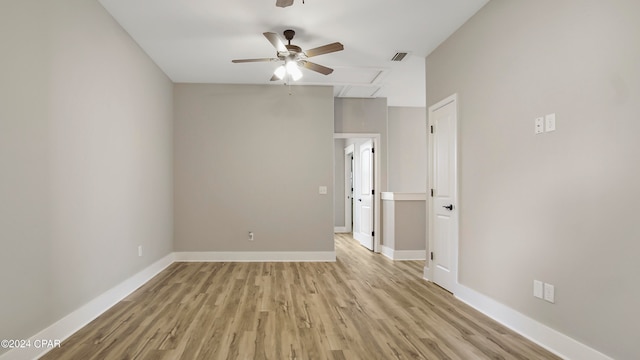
x=194, y=41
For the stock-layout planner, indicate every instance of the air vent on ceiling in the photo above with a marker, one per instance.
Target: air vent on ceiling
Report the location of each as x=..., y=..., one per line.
x=399, y=56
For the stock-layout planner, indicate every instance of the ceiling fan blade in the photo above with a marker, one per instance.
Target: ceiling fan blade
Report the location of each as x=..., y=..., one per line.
x=275, y=40
x=317, y=67
x=284, y=3
x=254, y=60
x=329, y=48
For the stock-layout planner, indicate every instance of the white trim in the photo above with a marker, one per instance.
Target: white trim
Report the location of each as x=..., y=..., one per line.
x=425, y=273
x=398, y=196
x=340, y=230
x=550, y=339
x=377, y=144
x=387, y=251
x=349, y=149
x=65, y=327
x=400, y=255
x=256, y=256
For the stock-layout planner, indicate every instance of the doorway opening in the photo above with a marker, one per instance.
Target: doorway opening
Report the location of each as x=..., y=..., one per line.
x=357, y=200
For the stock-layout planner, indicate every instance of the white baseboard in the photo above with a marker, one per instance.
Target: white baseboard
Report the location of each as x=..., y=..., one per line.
x=256, y=256
x=65, y=327
x=387, y=251
x=550, y=339
x=73, y=322
x=340, y=230
x=404, y=254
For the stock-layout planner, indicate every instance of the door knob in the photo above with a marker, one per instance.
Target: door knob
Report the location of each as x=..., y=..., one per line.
x=359, y=199
x=449, y=207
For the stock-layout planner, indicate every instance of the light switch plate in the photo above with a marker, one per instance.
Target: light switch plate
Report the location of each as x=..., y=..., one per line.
x=322, y=190
x=550, y=122
x=538, y=289
x=549, y=293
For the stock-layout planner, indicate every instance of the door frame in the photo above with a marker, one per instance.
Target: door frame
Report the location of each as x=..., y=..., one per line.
x=430, y=185
x=348, y=185
x=375, y=137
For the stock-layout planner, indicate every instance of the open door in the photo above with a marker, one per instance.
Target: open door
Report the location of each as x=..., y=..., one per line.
x=363, y=196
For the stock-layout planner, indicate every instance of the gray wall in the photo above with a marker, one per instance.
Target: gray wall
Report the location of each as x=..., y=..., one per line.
x=404, y=224
x=85, y=160
x=410, y=226
x=251, y=158
x=407, y=155
x=365, y=116
x=560, y=207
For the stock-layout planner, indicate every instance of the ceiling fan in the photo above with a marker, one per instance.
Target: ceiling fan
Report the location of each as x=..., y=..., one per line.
x=293, y=57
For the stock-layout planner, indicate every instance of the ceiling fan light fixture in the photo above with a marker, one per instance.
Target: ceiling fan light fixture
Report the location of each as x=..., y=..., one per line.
x=296, y=75
x=280, y=72
x=294, y=70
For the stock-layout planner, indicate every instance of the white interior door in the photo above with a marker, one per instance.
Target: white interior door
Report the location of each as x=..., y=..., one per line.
x=444, y=219
x=363, y=196
x=348, y=187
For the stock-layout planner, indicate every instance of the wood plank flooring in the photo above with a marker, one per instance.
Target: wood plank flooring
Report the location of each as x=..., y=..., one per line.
x=363, y=306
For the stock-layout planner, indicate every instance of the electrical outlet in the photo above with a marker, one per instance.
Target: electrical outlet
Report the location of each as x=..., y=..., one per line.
x=538, y=289
x=550, y=122
x=539, y=125
x=322, y=190
x=549, y=293
x=250, y=235
x=139, y=250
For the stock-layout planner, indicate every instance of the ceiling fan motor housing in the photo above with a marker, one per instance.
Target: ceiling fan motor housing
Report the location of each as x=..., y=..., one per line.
x=289, y=34
x=294, y=48
x=294, y=52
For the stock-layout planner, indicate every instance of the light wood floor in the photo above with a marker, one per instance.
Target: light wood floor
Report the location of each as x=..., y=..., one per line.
x=363, y=306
